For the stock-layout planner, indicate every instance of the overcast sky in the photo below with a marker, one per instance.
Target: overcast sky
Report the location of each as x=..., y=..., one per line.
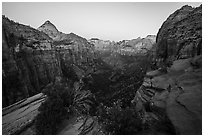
x=108, y=21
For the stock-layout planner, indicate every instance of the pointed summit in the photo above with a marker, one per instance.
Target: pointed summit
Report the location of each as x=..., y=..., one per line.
x=49, y=29
x=47, y=22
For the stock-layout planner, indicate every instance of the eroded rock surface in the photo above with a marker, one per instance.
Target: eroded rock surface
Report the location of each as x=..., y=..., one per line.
x=180, y=36
x=179, y=92
x=19, y=116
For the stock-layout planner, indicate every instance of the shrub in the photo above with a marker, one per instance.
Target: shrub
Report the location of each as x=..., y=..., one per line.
x=51, y=114
x=84, y=102
x=54, y=109
x=61, y=102
x=118, y=121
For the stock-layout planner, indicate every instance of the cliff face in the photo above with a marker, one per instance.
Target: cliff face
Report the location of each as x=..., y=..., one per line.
x=176, y=92
x=28, y=62
x=31, y=58
x=180, y=36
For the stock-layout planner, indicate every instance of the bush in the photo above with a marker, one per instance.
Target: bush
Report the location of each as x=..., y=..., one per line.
x=61, y=102
x=52, y=112
x=84, y=103
x=118, y=121
x=54, y=109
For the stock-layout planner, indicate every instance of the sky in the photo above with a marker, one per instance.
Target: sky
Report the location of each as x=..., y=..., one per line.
x=108, y=21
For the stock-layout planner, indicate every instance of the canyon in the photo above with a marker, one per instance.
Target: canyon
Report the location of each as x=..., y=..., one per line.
x=160, y=76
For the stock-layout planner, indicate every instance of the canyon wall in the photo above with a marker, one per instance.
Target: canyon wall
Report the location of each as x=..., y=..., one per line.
x=180, y=36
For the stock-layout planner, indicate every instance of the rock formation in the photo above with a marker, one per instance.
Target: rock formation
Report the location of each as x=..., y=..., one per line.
x=180, y=36
x=112, y=71
x=32, y=59
x=27, y=68
x=49, y=29
x=176, y=92
x=125, y=47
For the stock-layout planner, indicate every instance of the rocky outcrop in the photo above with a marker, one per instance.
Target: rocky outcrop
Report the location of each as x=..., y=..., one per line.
x=180, y=36
x=20, y=115
x=178, y=93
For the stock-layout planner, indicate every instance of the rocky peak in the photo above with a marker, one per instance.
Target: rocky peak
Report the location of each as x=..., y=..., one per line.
x=48, y=25
x=49, y=29
x=47, y=22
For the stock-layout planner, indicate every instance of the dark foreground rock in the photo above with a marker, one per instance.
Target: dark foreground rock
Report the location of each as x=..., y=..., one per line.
x=178, y=92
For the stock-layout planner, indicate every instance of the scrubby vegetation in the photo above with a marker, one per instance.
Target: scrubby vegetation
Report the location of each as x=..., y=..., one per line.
x=62, y=102
x=116, y=120
x=54, y=109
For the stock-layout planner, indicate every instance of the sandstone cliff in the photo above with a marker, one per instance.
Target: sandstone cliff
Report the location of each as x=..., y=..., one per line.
x=32, y=59
x=177, y=91
x=28, y=61
x=180, y=36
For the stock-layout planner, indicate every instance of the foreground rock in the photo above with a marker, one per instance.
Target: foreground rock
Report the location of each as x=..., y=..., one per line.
x=179, y=93
x=19, y=116
x=80, y=126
